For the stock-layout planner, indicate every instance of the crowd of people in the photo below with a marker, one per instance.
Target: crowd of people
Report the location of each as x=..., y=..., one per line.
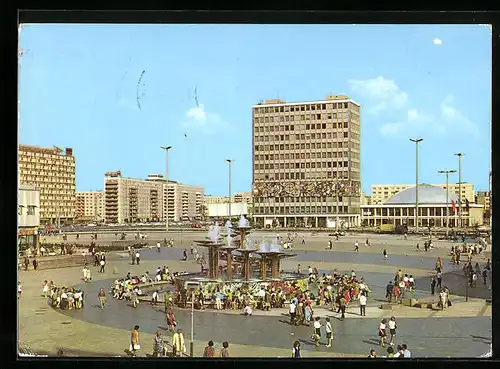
x=63, y=298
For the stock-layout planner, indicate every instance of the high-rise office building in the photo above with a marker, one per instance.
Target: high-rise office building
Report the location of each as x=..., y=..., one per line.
x=90, y=206
x=306, y=163
x=53, y=172
x=130, y=200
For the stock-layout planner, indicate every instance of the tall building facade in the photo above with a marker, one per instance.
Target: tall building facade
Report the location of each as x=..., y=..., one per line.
x=130, y=200
x=306, y=163
x=382, y=193
x=28, y=216
x=53, y=172
x=90, y=206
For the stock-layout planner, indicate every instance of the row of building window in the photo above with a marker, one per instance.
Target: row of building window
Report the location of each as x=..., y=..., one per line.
x=329, y=164
x=30, y=210
x=305, y=107
x=303, y=136
x=306, y=199
x=308, y=127
x=309, y=175
x=303, y=146
x=302, y=210
x=397, y=212
x=305, y=155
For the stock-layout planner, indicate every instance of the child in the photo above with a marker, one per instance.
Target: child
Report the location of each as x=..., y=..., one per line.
x=329, y=332
x=317, y=331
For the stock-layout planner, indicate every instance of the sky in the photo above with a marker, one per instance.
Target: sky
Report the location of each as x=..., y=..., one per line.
x=116, y=93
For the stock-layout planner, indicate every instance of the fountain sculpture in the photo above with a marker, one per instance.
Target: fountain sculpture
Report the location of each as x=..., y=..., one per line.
x=237, y=260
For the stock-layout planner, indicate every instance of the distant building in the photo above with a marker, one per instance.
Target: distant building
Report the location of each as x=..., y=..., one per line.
x=90, y=206
x=365, y=199
x=53, y=172
x=221, y=210
x=381, y=193
x=483, y=198
x=399, y=209
x=28, y=216
x=130, y=200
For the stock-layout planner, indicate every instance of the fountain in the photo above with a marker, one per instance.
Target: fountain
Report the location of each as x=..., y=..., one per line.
x=239, y=250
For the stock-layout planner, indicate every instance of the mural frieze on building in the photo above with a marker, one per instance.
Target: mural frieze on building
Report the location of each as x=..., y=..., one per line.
x=320, y=188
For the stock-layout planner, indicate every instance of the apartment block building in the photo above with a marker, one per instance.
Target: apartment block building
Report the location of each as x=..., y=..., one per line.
x=90, y=206
x=53, y=172
x=130, y=200
x=306, y=162
x=382, y=193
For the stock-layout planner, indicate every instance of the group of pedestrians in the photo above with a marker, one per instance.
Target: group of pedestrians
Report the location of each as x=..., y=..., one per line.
x=402, y=284
x=62, y=297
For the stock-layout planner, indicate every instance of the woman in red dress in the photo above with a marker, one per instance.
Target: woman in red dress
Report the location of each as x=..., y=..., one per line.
x=171, y=320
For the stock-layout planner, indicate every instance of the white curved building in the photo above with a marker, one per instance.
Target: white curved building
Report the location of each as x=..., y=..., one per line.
x=400, y=209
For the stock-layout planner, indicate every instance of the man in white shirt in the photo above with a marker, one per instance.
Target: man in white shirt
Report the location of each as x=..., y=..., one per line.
x=329, y=332
x=158, y=245
x=362, y=304
x=293, y=311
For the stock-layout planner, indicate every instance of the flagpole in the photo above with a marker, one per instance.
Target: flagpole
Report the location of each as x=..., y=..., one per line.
x=447, y=172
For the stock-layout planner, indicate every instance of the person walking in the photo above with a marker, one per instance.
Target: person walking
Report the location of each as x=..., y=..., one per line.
x=102, y=298
x=385, y=253
x=158, y=345
x=356, y=246
x=329, y=332
x=35, y=264
x=209, y=350
x=224, y=351
x=317, y=331
x=388, y=292
x=178, y=345
x=26, y=263
x=103, y=263
x=392, y=329
x=362, y=304
x=296, y=350
x=433, y=286
x=439, y=279
x=158, y=245
x=134, y=341
x=132, y=255
x=342, y=307
x=292, y=310
x=137, y=257
x=330, y=245
x=381, y=332
x=45, y=289
x=19, y=289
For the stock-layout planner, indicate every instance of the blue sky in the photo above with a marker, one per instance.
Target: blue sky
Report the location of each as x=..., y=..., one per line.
x=79, y=88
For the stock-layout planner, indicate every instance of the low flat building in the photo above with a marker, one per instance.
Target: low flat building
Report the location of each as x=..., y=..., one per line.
x=28, y=216
x=399, y=209
x=221, y=210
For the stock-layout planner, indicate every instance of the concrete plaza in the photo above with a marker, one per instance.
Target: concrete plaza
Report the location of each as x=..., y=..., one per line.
x=464, y=330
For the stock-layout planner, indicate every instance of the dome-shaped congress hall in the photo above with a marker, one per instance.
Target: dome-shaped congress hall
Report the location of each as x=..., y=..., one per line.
x=427, y=194
x=400, y=209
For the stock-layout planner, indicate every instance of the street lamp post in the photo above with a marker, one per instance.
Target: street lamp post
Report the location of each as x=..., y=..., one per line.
x=460, y=188
x=229, y=210
x=166, y=148
x=447, y=173
x=416, y=140
x=191, y=344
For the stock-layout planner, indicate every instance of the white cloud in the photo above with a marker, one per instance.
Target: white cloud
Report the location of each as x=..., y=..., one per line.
x=437, y=41
x=207, y=123
x=454, y=121
x=198, y=114
x=381, y=93
x=415, y=122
